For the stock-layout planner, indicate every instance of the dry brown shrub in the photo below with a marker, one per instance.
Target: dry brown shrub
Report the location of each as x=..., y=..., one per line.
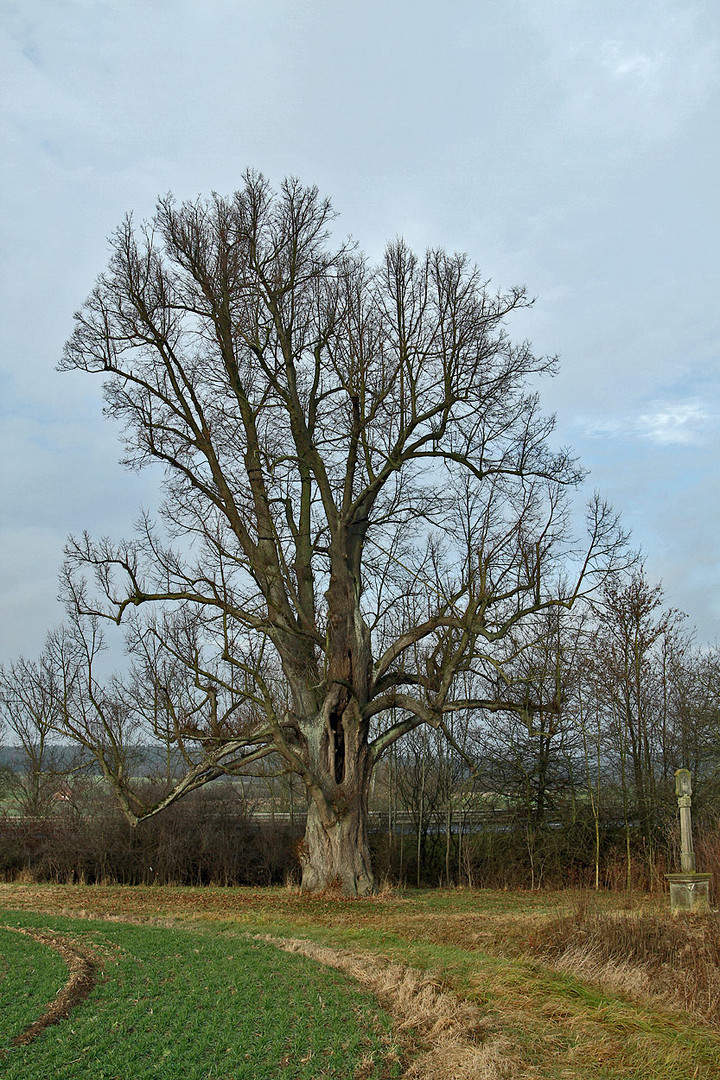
x=24, y=877
x=675, y=960
x=707, y=850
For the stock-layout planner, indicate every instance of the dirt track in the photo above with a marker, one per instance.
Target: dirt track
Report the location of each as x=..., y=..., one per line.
x=83, y=967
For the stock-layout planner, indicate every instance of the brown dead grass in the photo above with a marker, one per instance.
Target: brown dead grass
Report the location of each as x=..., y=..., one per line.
x=673, y=961
x=451, y=1035
x=83, y=967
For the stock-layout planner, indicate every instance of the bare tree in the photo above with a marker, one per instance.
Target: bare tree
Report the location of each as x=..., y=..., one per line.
x=362, y=505
x=29, y=709
x=635, y=635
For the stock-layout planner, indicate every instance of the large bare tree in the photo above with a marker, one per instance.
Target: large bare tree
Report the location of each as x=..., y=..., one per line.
x=362, y=504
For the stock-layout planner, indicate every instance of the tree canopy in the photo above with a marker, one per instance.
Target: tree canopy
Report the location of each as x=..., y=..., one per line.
x=364, y=515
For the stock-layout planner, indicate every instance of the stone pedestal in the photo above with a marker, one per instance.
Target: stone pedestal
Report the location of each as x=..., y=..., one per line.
x=689, y=893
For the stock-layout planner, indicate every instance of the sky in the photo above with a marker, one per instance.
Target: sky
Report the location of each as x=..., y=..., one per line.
x=572, y=147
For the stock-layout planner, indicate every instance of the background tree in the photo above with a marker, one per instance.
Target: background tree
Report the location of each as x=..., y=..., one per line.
x=526, y=758
x=29, y=708
x=362, y=504
x=692, y=692
x=634, y=637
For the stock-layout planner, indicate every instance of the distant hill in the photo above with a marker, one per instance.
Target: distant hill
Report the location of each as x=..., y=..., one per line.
x=149, y=760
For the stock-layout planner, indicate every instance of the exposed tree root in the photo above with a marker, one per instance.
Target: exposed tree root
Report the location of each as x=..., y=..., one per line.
x=83, y=966
x=450, y=1034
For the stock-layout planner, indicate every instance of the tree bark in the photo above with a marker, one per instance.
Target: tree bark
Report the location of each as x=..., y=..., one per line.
x=335, y=853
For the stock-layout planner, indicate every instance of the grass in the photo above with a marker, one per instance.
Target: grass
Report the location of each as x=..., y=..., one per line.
x=30, y=976
x=539, y=1020
x=197, y=1003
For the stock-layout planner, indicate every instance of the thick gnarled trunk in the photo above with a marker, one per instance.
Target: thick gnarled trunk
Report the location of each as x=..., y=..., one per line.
x=334, y=853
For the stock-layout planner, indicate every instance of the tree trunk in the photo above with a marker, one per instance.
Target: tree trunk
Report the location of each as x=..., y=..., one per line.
x=334, y=853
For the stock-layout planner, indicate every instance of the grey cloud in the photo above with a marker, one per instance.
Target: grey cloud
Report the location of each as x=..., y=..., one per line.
x=665, y=423
x=566, y=145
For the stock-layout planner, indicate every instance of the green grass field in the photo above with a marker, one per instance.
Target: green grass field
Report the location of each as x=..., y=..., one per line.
x=188, y=1003
x=188, y=992
x=30, y=976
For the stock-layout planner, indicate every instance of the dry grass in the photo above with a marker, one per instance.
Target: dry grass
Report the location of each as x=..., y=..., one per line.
x=675, y=960
x=451, y=1034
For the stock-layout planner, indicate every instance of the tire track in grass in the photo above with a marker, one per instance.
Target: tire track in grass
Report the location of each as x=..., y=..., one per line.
x=450, y=1033
x=83, y=967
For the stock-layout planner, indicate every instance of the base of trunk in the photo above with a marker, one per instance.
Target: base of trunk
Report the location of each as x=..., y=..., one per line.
x=335, y=855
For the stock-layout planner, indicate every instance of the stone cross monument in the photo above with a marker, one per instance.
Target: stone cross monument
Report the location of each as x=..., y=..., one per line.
x=689, y=891
x=683, y=790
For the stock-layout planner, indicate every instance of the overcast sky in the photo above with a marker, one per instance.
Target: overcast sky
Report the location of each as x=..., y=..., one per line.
x=569, y=146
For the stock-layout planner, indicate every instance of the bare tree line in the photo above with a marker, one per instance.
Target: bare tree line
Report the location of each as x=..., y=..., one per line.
x=586, y=785
x=579, y=791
